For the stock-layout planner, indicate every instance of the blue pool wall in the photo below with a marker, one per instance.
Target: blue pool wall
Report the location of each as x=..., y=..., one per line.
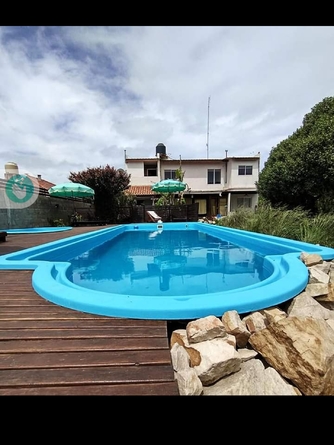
x=50, y=261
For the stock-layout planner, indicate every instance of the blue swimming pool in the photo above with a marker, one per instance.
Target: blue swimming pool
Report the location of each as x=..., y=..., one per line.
x=170, y=271
x=167, y=263
x=30, y=230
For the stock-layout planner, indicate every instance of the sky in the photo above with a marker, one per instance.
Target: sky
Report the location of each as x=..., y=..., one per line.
x=78, y=97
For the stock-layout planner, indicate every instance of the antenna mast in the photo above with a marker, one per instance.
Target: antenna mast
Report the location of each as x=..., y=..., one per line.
x=207, y=134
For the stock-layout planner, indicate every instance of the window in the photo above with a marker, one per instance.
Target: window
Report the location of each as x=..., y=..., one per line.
x=150, y=169
x=214, y=176
x=201, y=206
x=245, y=170
x=244, y=202
x=170, y=174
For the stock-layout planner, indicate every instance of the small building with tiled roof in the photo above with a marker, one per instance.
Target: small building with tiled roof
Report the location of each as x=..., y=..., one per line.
x=12, y=169
x=43, y=184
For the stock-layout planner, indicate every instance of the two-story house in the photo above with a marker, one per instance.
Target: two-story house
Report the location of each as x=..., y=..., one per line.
x=218, y=185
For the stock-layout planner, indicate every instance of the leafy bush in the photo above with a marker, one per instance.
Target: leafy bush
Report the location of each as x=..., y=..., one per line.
x=56, y=223
x=294, y=224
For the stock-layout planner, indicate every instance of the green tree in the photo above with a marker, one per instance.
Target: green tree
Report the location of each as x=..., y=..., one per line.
x=169, y=198
x=179, y=175
x=299, y=171
x=109, y=185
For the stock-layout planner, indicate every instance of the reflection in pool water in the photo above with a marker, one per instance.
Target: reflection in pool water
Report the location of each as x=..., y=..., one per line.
x=170, y=263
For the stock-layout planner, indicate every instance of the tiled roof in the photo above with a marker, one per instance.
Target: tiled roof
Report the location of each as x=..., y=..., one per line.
x=140, y=190
x=43, y=183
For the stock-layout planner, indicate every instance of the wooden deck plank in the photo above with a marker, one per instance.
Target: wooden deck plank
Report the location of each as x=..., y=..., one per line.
x=33, y=308
x=14, y=315
x=55, y=333
x=130, y=389
x=65, y=323
x=83, y=359
x=47, y=349
x=88, y=344
x=84, y=376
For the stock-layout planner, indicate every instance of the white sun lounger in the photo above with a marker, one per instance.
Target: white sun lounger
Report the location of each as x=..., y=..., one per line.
x=153, y=216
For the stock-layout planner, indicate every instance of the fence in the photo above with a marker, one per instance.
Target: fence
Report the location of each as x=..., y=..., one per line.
x=47, y=210
x=44, y=212
x=138, y=214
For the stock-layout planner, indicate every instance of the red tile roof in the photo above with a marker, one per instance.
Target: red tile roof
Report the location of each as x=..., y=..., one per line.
x=140, y=190
x=43, y=183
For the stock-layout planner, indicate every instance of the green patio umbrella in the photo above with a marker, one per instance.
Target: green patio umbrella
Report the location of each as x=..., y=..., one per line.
x=169, y=186
x=71, y=190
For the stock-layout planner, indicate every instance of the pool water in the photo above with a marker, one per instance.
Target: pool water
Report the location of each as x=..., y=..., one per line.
x=167, y=263
x=170, y=271
x=30, y=230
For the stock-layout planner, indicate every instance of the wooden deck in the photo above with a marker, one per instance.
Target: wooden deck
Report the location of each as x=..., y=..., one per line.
x=47, y=349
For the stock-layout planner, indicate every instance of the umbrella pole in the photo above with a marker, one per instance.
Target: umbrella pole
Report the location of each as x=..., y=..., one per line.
x=74, y=212
x=73, y=201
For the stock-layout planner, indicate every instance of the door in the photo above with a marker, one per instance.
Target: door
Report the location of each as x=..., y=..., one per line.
x=223, y=206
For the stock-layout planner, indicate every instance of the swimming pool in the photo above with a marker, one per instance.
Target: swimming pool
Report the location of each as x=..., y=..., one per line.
x=260, y=270
x=30, y=230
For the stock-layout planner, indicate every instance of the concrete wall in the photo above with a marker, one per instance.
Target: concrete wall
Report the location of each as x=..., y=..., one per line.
x=42, y=211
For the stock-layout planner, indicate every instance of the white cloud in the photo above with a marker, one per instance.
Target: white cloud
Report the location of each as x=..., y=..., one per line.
x=77, y=97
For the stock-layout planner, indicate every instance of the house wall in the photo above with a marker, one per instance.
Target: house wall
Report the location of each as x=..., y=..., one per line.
x=238, y=181
x=136, y=170
x=196, y=175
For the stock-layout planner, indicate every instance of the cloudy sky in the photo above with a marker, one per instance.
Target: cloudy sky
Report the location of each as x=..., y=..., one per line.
x=78, y=97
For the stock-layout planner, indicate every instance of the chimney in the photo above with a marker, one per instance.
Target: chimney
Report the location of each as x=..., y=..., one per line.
x=39, y=176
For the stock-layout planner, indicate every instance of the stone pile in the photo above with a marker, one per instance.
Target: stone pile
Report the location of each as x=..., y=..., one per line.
x=285, y=350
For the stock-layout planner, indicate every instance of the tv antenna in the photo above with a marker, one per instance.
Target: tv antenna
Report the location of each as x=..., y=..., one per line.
x=207, y=133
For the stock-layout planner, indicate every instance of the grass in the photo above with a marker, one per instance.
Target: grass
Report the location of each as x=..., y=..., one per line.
x=294, y=224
